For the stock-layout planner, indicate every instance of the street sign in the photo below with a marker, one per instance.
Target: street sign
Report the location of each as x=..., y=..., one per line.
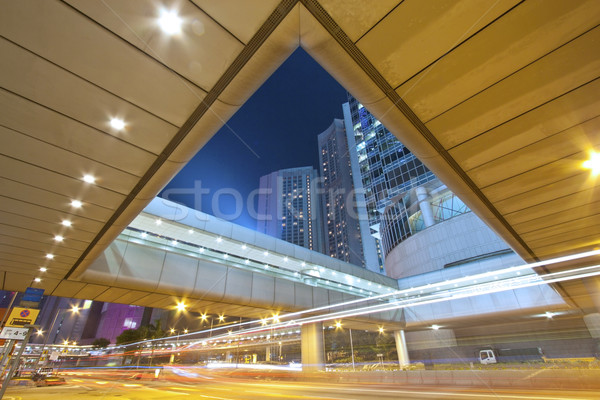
x=13, y=333
x=20, y=316
x=33, y=295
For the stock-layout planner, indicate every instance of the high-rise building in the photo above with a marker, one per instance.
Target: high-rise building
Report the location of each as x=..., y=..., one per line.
x=385, y=166
x=346, y=230
x=289, y=209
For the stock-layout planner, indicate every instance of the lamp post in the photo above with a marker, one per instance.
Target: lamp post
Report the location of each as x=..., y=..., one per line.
x=74, y=310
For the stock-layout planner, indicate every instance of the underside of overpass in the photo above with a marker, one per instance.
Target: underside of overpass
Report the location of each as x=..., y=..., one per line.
x=498, y=98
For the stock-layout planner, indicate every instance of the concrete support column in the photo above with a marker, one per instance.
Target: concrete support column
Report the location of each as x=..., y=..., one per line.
x=311, y=337
x=425, y=206
x=401, y=348
x=268, y=354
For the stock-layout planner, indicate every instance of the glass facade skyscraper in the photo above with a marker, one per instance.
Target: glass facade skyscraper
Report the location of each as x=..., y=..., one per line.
x=343, y=217
x=387, y=167
x=289, y=208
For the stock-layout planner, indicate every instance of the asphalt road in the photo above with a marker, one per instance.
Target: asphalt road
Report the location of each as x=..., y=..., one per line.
x=225, y=389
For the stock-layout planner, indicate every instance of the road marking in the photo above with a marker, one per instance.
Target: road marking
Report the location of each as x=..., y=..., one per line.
x=533, y=374
x=496, y=395
x=291, y=396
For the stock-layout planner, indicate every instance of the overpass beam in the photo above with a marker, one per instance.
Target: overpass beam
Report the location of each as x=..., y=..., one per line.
x=311, y=337
x=401, y=348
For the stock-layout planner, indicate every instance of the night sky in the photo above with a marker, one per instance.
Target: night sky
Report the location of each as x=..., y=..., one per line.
x=279, y=125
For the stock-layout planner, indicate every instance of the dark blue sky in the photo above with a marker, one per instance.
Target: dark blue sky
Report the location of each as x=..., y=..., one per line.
x=279, y=125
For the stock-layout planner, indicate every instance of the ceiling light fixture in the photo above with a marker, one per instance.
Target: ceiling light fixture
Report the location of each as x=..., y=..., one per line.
x=593, y=163
x=170, y=22
x=58, y=238
x=66, y=222
x=89, y=178
x=76, y=204
x=49, y=256
x=117, y=123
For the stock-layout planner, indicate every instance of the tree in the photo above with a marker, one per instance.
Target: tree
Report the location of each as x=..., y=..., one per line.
x=100, y=343
x=129, y=336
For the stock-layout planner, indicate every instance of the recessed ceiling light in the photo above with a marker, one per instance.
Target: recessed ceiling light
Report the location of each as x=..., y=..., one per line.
x=37, y=280
x=158, y=222
x=89, y=178
x=593, y=163
x=144, y=234
x=43, y=269
x=435, y=327
x=174, y=242
x=49, y=256
x=266, y=253
x=170, y=22
x=58, y=238
x=117, y=123
x=190, y=231
x=244, y=247
x=66, y=222
x=76, y=203
x=219, y=240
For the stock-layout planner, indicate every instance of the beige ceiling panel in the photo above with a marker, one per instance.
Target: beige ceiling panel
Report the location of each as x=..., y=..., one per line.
x=561, y=71
x=6, y=267
x=66, y=37
x=41, y=226
x=81, y=226
x=44, y=125
x=16, y=265
x=544, y=194
x=321, y=46
x=62, y=250
x=90, y=222
x=200, y=53
x=17, y=282
x=44, y=187
x=218, y=114
x=55, y=269
x=131, y=297
x=536, y=178
x=18, y=233
x=162, y=301
x=240, y=17
x=566, y=208
x=555, y=116
x=355, y=19
x=67, y=288
x=571, y=141
x=151, y=298
x=267, y=58
x=60, y=207
x=49, y=285
x=90, y=292
x=81, y=101
x=422, y=32
x=524, y=34
x=33, y=256
x=581, y=238
x=576, y=228
x=111, y=294
x=64, y=162
x=568, y=247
